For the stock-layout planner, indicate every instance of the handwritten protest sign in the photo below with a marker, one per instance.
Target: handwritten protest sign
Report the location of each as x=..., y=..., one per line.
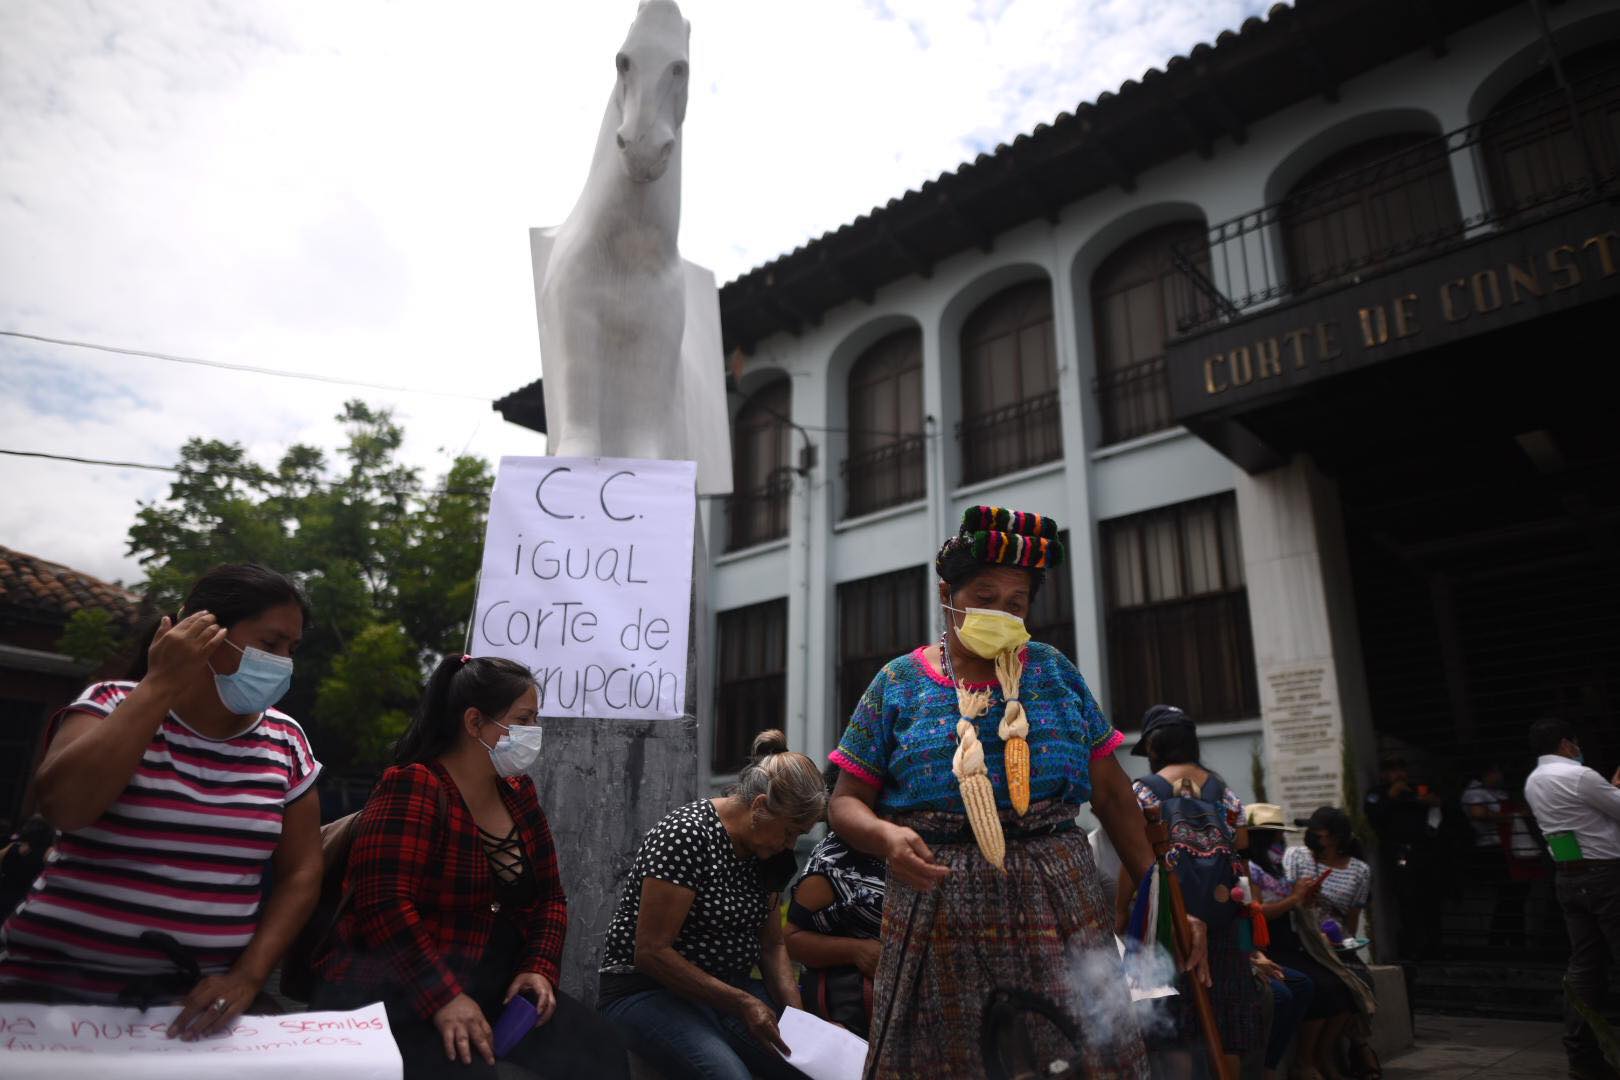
x=49, y=1041
x=587, y=581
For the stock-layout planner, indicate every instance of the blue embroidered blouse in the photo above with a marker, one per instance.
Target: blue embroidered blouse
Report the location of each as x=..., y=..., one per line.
x=903, y=734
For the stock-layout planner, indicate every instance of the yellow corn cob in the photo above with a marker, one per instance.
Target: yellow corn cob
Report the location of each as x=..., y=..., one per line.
x=1016, y=755
x=1014, y=731
x=978, y=797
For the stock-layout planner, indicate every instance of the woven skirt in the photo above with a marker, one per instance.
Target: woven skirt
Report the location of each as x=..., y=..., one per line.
x=1040, y=930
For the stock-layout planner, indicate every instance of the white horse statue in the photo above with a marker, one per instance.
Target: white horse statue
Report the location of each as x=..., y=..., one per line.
x=616, y=301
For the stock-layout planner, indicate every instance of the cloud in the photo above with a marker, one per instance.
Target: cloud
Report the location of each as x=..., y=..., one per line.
x=347, y=188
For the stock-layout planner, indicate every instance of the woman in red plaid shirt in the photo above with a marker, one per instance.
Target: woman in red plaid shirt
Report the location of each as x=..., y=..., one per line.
x=456, y=904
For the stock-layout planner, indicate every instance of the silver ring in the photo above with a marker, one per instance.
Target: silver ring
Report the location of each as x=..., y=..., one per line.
x=220, y=1003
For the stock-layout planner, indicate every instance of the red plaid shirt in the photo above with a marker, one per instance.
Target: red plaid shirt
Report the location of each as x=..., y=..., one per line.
x=423, y=907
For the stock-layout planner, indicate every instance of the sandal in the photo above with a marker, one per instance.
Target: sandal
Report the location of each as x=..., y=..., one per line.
x=1364, y=1062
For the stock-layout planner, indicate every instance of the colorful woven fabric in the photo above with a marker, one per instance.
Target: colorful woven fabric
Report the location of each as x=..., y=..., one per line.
x=993, y=536
x=903, y=734
x=945, y=951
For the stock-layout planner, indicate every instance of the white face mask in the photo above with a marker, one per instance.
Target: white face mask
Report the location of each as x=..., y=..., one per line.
x=516, y=750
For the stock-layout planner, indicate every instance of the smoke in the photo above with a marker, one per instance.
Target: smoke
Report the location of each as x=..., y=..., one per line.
x=1101, y=982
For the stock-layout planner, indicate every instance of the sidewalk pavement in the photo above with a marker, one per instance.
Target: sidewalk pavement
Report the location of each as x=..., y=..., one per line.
x=1470, y=1048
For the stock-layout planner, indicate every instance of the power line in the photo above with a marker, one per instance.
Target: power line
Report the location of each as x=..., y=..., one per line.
x=249, y=368
x=228, y=474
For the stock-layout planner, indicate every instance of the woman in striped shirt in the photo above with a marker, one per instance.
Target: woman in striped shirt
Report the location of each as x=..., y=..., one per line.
x=173, y=795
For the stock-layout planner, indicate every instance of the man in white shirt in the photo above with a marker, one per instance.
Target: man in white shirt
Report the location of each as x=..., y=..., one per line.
x=1579, y=814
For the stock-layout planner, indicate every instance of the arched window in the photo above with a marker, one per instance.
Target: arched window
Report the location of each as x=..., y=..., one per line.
x=1365, y=206
x=761, y=456
x=1138, y=297
x=1009, y=384
x=1533, y=154
x=885, y=466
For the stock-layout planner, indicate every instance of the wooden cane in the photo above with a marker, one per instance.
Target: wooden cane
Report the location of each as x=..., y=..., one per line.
x=1159, y=836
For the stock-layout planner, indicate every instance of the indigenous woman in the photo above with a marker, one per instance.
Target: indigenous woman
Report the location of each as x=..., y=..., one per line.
x=964, y=766
x=177, y=794
x=457, y=904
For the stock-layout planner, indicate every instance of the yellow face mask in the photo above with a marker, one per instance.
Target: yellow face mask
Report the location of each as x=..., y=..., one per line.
x=988, y=633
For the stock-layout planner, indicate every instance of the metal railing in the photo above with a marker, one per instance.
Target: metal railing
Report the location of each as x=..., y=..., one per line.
x=886, y=476
x=1017, y=436
x=1546, y=155
x=759, y=516
x=1134, y=400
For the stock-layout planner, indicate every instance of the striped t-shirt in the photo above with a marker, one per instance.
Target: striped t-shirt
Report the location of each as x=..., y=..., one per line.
x=182, y=850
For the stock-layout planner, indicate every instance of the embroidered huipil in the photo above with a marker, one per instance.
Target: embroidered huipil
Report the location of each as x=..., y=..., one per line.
x=903, y=734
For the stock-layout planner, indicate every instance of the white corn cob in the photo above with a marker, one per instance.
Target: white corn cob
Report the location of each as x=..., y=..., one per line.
x=978, y=797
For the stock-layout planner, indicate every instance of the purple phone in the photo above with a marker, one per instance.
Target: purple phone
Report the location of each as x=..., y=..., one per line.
x=516, y=1022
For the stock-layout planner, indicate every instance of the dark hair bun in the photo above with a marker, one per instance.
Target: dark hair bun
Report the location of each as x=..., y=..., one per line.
x=767, y=743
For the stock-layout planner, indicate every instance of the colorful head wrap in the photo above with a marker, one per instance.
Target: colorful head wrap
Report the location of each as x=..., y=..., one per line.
x=995, y=536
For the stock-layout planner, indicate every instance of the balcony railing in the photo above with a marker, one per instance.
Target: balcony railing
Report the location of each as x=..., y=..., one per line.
x=759, y=516
x=1013, y=437
x=1134, y=400
x=889, y=475
x=1525, y=162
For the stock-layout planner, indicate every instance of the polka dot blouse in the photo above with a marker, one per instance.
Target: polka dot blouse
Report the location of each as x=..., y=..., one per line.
x=691, y=848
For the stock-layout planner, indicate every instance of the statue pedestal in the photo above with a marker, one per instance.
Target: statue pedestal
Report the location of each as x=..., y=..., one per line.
x=604, y=783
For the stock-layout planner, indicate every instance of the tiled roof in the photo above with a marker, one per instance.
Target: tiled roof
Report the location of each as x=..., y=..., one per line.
x=1214, y=92
x=48, y=589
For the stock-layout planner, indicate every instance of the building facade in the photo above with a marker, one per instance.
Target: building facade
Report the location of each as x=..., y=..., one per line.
x=1304, y=339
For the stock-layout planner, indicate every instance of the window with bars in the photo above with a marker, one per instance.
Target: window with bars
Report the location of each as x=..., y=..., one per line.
x=1534, y=156
x=1366, y=205
x=886, y=459
x=1009, y=384
x=761, y=455
x=751, y=684
x=1051, y=616
x=879, y=618
x=1138, y=297
x=1178, y=613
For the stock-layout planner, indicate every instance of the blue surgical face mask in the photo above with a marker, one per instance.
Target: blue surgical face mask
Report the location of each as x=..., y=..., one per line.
x=516, y=750
x=258, y=682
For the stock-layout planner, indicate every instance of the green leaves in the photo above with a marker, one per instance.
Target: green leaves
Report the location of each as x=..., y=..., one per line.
x=90, y=636
x=389, y=564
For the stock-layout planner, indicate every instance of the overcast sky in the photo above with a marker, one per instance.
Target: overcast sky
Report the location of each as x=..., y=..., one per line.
x=346, y=187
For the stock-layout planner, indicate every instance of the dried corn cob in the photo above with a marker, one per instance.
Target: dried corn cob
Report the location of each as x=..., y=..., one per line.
x=1014, y=731
x=977, y=795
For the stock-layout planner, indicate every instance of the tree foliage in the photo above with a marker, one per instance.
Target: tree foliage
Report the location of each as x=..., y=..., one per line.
x=91, y=635
x=389, y=564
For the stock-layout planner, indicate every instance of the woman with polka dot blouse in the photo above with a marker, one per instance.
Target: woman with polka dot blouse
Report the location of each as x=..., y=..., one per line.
x=699, y=913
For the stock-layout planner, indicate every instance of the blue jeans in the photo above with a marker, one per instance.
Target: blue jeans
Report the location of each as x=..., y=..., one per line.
x=1290, y=997
x=688, y=1039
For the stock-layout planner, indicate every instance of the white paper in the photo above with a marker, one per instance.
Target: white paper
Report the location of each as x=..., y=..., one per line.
x=1144, y=993
x=821, y=1051
x=587, y=581
x=74, y=1041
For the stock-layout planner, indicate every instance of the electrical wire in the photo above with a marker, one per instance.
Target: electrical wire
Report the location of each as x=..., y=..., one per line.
x=247, y=368
x=229, y=474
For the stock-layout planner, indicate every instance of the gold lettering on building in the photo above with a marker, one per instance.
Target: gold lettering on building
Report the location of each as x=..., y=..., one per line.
x=1268, y=356
x=1479, y=281
x=1296, y=338
x=1242, y=366
x=1406, y=323
x=1374, y=326
x=1448, y=306
x=1523, y=279
x=1605, y=253
x=1210, y=385
x=1568, y=265
x=1327, y=343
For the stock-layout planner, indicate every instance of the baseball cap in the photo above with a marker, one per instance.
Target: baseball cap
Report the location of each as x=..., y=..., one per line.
x=1158, y=716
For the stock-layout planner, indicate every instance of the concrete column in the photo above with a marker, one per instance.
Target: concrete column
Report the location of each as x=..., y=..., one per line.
x=941, y=429
x=1075, y=364
x=1313, y=694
